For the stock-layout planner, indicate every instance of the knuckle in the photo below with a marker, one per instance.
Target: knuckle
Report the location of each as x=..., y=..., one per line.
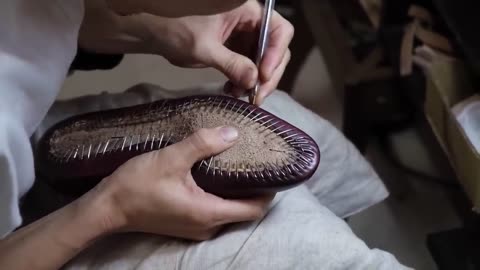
x=198, y=141
x=290, y=30
x=288, y=55
x=202, y=140
x=196, y=48
x=231, y=65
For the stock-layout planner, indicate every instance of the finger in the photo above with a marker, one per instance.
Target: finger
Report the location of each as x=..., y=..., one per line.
x=204, y=143
x=239, y=69
x=281, y=35
x=268, y=87
x=231, y=211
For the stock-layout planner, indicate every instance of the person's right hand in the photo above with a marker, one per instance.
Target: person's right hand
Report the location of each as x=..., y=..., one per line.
x=177, y=8
x=155, y=192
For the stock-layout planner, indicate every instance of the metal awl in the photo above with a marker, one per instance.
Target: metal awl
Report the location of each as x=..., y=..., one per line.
x=262, y=44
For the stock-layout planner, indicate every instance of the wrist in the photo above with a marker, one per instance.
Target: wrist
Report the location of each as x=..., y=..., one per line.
x=98, y=207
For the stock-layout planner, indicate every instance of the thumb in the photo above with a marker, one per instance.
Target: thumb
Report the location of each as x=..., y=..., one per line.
x=239, y=69
x=205, y=143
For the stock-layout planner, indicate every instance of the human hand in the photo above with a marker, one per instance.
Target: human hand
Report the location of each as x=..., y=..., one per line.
x=155, y=192
x=226, y=42
x=178, y=8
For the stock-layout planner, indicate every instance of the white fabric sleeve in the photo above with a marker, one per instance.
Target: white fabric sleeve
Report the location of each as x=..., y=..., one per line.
x=37, y=45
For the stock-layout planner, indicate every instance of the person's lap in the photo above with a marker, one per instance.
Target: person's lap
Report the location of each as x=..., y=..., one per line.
x=344, y=183
x=297, y=233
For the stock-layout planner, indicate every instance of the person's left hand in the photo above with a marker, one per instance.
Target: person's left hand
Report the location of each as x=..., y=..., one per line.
x=226, y=42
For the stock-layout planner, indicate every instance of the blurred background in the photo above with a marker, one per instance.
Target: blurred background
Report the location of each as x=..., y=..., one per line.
x=354, y=63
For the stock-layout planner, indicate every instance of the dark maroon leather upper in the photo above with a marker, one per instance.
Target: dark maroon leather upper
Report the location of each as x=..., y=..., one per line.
x=79, y=175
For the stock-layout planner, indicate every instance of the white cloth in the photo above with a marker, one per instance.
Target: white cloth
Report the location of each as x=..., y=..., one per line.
x=297, y=233
x=38, y=40
x=467, y=113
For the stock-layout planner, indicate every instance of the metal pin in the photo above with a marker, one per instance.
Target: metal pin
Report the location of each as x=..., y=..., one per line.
x=146, y=141
x=296, y=138
x=266, y=122
x=229, y=168
x=69, y=155
x=246, y=108
x=294, y=169
x=226, y=105
x=289, y=136
x=153, y=141
x=76, y=152
x=184, y=107
x=277, y=128
x=236, y=169
x=301, y=165
x=220, y=168
x=124, y=141
x=117, y=141
x=298, y=145
x=235, y=115
x=200, y=165
x=169, y=138
x=205, y=103
x=106, y=146
x=65, y=156
x=299, y=142
x=195, y=102
x=255, y=117
x=138, y=141
x=209, y=164
x=214, y=101
x=245, y=171
x=249, y=167
x=280, y=168
x=283, y=132
x=309, y=153
x=275, y=169
x=298, y=166
x=89, y=151
x=162, y=105
x=83, y=151
x=248, y=114
x=302, y=157
x=260, y=171
x=219, y=104
x=271, y=125
x=267, y=171
x=160, y=142
x=214, y=165
x=131, y=142
x=286, y=166
x=98, y=149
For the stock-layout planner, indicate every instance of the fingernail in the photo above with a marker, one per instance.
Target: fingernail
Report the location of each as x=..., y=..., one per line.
x=249, y=78
x=229, y=134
